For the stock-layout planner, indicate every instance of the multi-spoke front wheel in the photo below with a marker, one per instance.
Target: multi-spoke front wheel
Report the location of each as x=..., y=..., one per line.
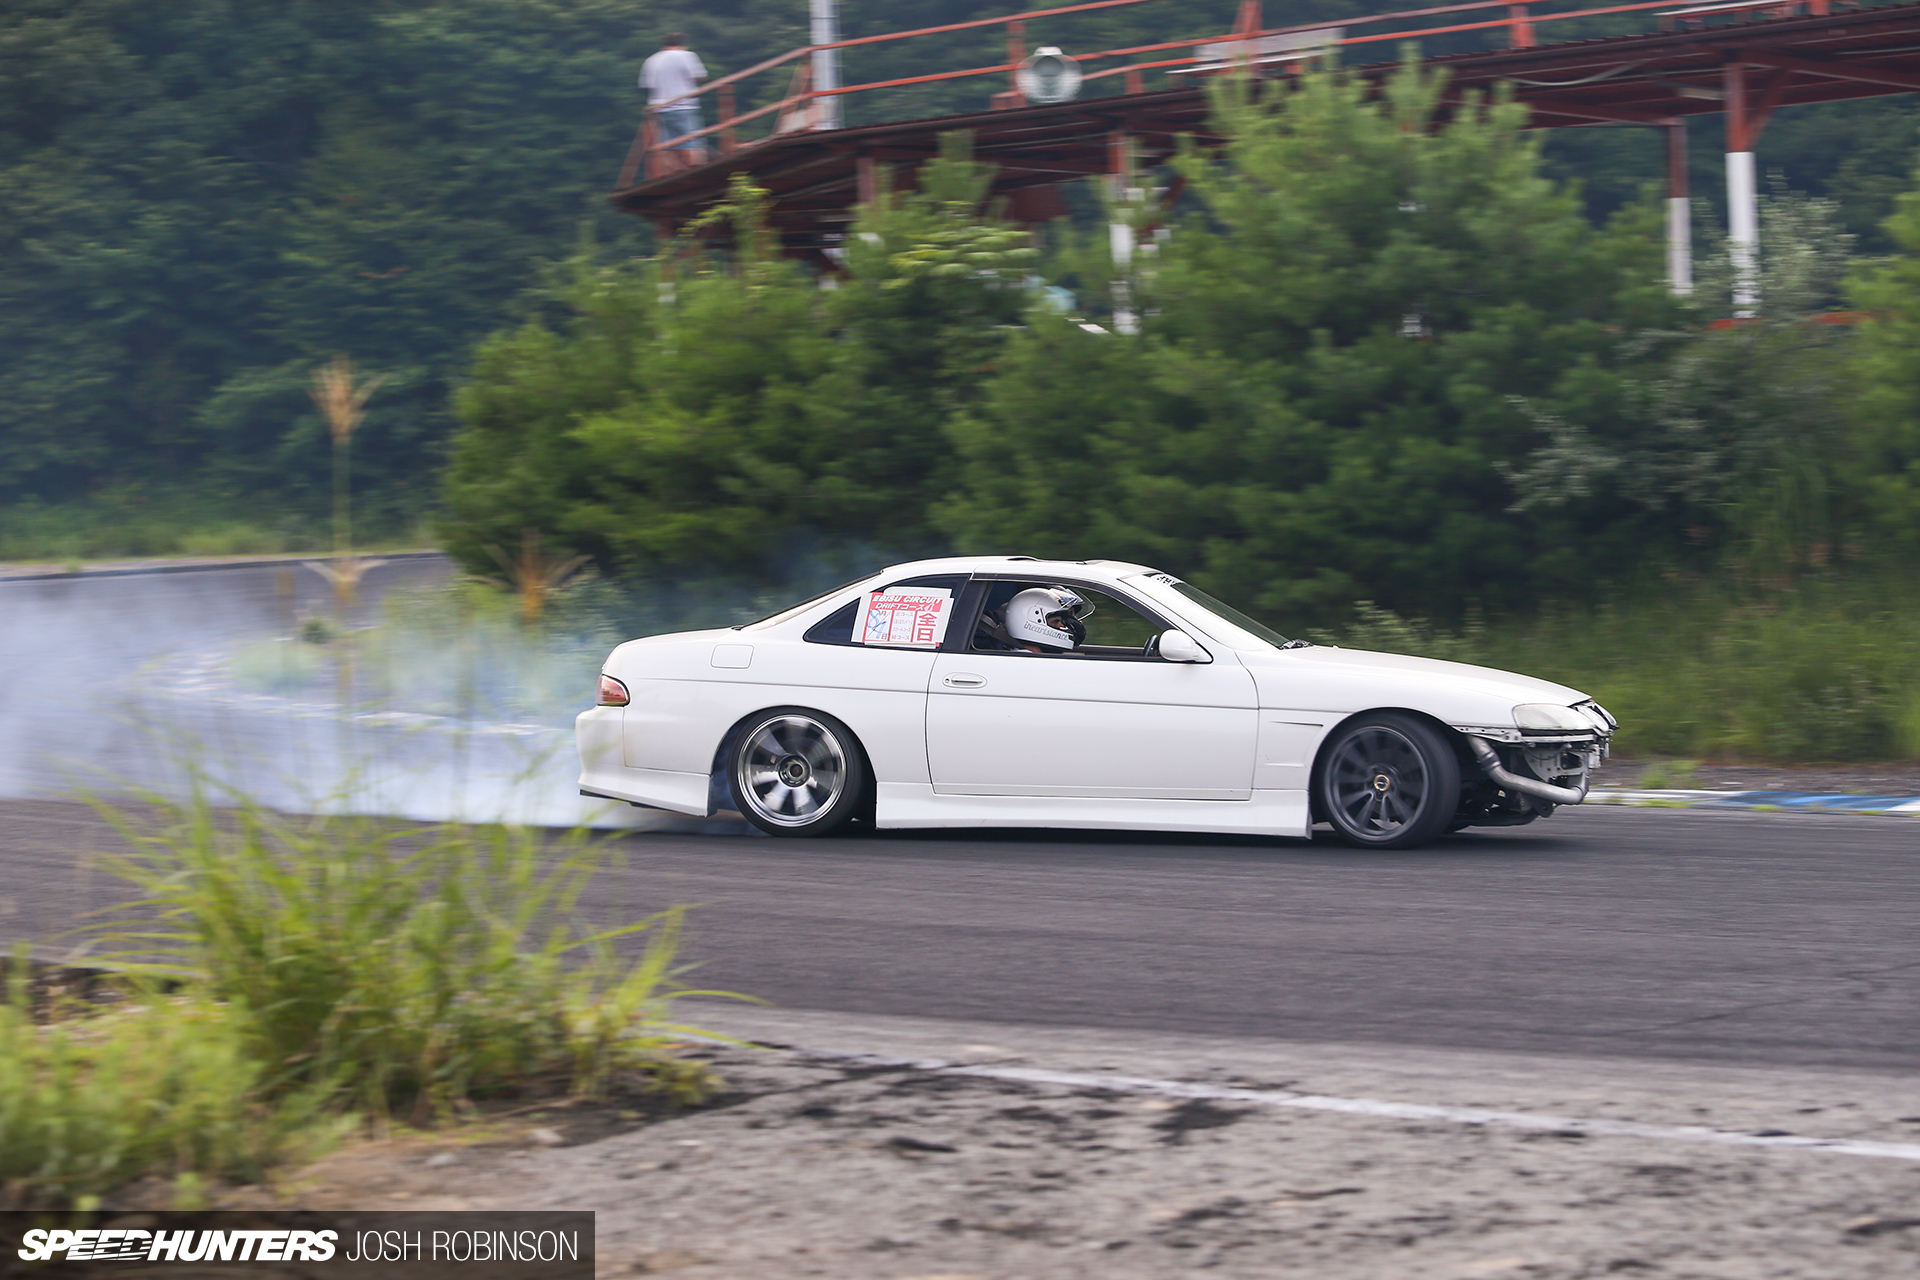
x=1387, y=781
x=797, y=773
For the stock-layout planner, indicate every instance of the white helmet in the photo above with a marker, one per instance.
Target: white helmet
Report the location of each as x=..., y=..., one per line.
x=1046, y=616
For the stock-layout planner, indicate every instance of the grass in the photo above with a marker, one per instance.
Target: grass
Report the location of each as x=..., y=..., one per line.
x=90, y=1100
x=328, y=972
x=1670, y=775
x=134, y=522
x=1820, y=671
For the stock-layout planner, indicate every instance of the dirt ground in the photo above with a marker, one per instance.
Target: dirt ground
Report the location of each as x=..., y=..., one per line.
x=877, y=1171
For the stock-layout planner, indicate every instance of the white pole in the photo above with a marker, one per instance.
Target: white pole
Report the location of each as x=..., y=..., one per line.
x=826, y=63
x=1743, y=234
x=1120, y=243
x=1680, y=245
x=1679, y=211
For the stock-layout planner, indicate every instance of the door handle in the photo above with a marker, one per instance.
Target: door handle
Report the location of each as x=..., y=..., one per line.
x=963, y=680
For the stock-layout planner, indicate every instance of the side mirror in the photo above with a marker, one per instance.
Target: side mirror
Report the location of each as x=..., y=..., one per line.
x=1178, y=646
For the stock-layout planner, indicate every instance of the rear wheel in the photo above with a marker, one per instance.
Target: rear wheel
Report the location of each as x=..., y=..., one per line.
x=1388, y=781
x=797, y=772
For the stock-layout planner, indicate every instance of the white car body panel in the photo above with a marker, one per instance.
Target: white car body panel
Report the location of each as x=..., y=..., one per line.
x=1222, y=746
x=1278, y=813
x=1038, y=726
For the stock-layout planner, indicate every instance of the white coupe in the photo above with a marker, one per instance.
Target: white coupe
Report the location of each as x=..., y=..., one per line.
x=914, y=698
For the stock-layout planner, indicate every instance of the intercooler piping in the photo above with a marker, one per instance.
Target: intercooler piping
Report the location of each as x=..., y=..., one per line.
x=1489, y=760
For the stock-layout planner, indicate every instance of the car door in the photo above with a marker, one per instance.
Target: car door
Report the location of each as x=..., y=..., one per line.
x=1106, y=722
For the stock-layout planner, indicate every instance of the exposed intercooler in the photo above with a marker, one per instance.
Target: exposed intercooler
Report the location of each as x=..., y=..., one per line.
x=1497, y=773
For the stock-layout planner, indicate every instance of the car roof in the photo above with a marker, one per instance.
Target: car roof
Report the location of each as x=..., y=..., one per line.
x=1095, y=570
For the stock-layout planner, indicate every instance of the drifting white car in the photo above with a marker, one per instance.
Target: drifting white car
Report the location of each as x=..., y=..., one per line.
x=1005, y=691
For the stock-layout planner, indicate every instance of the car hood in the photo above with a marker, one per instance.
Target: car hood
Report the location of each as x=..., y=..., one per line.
x=1347, y=680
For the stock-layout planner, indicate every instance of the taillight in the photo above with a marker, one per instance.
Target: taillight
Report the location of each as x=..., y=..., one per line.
x=612, y=692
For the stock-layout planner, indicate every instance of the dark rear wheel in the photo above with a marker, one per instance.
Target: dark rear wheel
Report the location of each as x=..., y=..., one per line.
x=1387, y=781
x=797, y=773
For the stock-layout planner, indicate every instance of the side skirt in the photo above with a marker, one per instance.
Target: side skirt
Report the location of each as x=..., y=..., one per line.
x=1267, y=813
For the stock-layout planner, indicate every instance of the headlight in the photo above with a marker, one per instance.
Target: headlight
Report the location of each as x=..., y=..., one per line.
x=1602, y=721
x=1545, y=717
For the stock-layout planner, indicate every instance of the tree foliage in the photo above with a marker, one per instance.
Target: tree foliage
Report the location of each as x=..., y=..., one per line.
x=1887, y=406
x=202, y=201
x=698, y=415
x=1335, y=360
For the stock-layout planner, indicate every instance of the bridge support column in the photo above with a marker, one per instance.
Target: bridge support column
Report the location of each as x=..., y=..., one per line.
x=1743, y=234
x=1679, y=212
x=1746, y=116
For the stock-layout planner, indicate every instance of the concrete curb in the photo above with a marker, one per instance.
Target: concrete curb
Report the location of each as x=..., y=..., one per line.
x=1762, y=801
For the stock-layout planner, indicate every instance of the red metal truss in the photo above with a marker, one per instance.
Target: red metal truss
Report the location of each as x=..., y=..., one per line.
x=1779, y=53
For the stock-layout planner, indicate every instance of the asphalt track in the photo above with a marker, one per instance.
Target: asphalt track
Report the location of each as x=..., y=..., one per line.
x=1735, y=937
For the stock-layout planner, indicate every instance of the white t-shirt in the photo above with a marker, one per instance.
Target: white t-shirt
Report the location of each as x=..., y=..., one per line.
x=670, y=73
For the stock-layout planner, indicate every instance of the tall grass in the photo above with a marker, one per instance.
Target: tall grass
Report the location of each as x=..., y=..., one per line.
x=1813, y=671
x=323, y=970
x=90, y=1100
x=402, y=969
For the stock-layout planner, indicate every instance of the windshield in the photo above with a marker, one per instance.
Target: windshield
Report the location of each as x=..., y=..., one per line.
x=795, y=610
x=1227, y=625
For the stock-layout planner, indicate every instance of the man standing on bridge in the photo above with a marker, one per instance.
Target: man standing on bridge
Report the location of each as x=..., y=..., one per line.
x=668, y=77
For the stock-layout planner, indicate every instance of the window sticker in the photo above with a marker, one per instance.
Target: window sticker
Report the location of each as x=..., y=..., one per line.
x=912, y=616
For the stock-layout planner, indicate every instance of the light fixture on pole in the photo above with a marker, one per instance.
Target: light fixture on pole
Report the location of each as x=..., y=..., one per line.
x=1048, y=76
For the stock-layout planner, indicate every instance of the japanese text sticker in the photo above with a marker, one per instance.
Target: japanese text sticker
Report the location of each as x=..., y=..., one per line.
x=914, y=616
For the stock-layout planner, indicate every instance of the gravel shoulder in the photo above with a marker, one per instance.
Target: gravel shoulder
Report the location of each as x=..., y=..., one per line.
x=865, y=1171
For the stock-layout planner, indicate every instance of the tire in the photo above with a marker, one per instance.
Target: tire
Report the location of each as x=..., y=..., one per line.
x=1387, y=781
x=796, y=772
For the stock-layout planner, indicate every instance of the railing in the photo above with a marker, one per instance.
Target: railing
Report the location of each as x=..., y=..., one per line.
x=1249, y=44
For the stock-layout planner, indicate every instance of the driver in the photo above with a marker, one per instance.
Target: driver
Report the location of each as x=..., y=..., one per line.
x=1046, y=620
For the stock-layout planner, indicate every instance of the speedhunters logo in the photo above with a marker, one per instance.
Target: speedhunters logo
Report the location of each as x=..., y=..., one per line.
x=94, y=1244
x=550, y=1246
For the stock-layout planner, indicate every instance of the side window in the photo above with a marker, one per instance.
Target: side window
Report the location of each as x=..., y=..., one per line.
x=1114, y=629
x=1116, y=625
x=837, y=627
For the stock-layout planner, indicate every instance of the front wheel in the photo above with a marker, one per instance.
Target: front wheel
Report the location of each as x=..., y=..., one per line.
x=797, y=773
x=1388, y=781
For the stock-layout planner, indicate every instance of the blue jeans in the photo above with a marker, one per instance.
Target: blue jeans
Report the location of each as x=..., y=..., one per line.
x=677, y=122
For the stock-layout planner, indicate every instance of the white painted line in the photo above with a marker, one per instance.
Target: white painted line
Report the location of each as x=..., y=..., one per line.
x=1376, y=1107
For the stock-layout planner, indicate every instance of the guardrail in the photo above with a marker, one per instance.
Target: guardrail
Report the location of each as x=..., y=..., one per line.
x=1250, y=45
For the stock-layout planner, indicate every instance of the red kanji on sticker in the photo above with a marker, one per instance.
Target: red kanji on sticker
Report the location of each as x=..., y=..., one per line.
x=906, y=616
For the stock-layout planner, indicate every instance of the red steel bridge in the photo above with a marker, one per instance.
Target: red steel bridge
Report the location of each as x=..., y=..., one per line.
x=1655, y=64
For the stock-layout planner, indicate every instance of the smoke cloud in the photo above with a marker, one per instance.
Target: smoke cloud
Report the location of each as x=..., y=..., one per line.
x=228, y=675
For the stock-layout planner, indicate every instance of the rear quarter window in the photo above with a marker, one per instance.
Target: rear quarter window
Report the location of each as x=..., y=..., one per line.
x=837, y=627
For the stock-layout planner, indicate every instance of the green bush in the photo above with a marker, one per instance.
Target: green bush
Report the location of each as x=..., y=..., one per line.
x=692, y=418
x=135, y=521
x=1824, y=671
x=400, y=969
x=89, y=1099
x=1339, y=350
x=284, y=977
